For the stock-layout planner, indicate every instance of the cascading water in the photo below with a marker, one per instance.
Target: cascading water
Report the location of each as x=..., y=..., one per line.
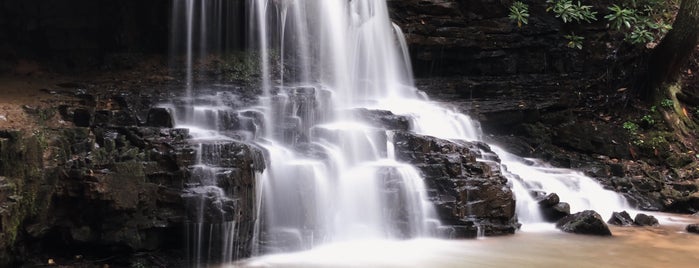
x=331, y=176
x=356, y=54
x=220, y=191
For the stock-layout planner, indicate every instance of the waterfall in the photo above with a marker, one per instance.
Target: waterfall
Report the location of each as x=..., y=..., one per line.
x=330, y=176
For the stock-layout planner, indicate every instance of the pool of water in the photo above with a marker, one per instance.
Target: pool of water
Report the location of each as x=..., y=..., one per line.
x=665, y=246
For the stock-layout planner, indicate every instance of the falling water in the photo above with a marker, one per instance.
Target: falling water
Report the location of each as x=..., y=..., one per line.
x=331, y=177
x=363, y=62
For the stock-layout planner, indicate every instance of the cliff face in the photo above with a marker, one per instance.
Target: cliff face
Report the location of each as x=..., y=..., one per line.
x=476, y=38
x=104, y=174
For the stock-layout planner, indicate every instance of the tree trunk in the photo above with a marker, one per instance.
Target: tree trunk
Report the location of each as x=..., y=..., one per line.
x=672, y=53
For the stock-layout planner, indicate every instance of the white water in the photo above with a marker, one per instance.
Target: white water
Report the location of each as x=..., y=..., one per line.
x=363, y=61
x=330, y=178
x=344, y=56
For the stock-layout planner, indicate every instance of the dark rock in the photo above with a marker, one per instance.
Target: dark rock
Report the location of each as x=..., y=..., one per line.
x=550, y=200
x=586, y=222
x=588, y=138
x=645, y=220
x=124, y=118
x=556, y=212
x=693, y=228
x=82, y=117
x=102, y=118
x=620, y=218
x=159, y=117
x=467, y=193
x=383, y=119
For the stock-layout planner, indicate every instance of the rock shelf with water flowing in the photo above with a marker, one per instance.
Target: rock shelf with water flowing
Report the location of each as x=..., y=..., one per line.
x=345, y=147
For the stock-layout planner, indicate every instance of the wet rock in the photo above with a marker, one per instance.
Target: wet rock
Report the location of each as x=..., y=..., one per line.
x=586, y=222
x=645, y=220
x=550, y=200
x=556, y=212
x=383, y=119
x=159, y=117
x=620, y=218
x=693, y=228
x=466, y=192
x=232, y=154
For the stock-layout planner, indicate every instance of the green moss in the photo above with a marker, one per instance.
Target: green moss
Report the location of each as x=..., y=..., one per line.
x=129, y=169
x=242, y=66
x=21, y=161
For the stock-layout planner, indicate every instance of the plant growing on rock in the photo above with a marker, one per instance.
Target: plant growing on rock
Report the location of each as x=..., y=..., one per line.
x=621, y=17
x=574, y=41
x=640, y=21
x=568, y=11
x=519, y=13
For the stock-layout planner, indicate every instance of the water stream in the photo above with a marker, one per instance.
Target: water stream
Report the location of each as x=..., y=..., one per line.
x=332, y=178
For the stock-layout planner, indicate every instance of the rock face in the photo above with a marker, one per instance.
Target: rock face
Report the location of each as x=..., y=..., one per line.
x=541, y=99
x=22, y=193
x=586, y=222
x=475, y=37
x=112, y=185
x=469, y=195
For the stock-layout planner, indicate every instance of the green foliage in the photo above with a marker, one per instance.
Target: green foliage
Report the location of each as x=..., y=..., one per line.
x=569, y=11
x=641, y=21
x=519, y=13
x=648, y=119
x=667, y=103
x=574, y=41
x=242, y=67
x=621, y=17
x=631, y=127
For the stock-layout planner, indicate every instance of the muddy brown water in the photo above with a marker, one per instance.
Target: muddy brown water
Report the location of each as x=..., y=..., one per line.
x=665, y=246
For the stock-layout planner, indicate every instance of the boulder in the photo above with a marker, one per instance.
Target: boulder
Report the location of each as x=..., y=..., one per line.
x=693, y=228
x=556, y=212
x=550, y=200
x=586, y=222
x=620, y=218
x=645, y=220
